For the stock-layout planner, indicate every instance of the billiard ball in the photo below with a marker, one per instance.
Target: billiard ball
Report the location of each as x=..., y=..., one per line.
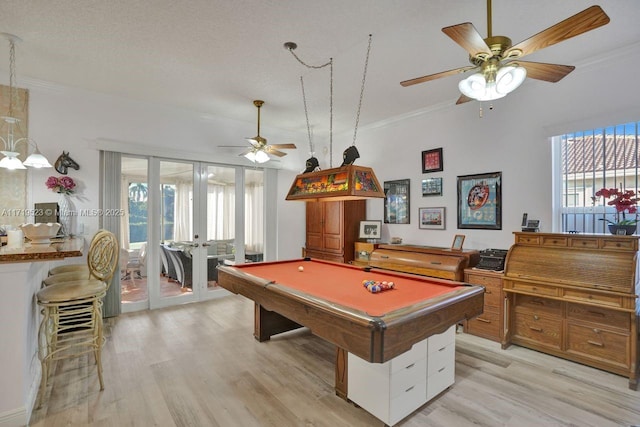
x=301, y=268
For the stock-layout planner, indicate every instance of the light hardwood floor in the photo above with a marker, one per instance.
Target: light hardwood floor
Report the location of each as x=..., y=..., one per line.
x=199, y=365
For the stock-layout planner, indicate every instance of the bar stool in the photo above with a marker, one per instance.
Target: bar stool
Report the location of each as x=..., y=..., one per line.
x=72, y=311
x=75, y=267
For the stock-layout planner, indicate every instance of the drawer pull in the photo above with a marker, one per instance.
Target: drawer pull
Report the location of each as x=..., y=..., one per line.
x=537, y=301
x=533, y=328
x=597, y=344
x=535, y=317
x=441, y=369
x=409, y=389
x=480, y=319
x=435, y=262
x=596, y=313
x=384, y=256
x=442, y=349
x=488, y=292
x=410, y=366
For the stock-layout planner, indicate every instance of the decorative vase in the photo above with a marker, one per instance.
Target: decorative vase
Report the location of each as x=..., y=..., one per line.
x=626, y=230
x=65, y=214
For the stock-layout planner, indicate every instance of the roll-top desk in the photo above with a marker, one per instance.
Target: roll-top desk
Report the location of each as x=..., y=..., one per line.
x=575, y=296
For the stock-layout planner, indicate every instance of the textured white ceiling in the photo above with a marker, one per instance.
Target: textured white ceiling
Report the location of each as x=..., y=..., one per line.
x=216, y=56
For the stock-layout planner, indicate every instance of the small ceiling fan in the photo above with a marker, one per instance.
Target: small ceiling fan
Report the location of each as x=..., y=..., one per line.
x=500, y=69
x=259, y=150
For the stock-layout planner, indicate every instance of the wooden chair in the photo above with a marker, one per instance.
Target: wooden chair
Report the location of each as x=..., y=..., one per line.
x=72, y=311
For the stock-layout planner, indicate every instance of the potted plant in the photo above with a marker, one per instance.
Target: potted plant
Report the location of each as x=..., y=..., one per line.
x=624, y=202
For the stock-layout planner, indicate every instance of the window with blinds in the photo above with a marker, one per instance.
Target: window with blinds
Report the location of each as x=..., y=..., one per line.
x=591, y=160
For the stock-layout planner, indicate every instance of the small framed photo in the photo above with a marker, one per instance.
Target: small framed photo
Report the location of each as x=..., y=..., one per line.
x=431, y=218
x=432, y=187
x=396, y=202
x=370, y=229
x=458, y=240
x=432, y=160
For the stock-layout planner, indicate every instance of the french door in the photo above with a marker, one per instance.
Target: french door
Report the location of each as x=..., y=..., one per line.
x=199, y=215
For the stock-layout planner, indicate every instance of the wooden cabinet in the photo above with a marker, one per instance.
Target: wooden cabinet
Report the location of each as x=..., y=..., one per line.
x=362, y=253
x=406, y=382
x=490, y=324
x=575, y=296
x=332, y=229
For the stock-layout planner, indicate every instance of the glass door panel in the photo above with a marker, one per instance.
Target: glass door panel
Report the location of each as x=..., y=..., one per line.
x=254, y=215
x=176, y=234
x=219, y=214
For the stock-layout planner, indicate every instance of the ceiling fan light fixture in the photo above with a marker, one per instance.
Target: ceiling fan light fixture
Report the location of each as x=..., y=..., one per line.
x=261, y=157
x=506, y=81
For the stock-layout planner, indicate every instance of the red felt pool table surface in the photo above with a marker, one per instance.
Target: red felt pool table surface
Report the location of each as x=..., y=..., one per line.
x=342, y=284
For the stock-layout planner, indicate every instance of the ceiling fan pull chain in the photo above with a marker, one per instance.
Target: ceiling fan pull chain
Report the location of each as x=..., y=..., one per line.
x=364, y=77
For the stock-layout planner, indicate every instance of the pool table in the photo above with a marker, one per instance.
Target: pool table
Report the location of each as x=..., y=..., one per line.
x=330, y=299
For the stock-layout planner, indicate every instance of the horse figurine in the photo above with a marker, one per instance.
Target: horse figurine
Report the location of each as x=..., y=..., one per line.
x=64, y=162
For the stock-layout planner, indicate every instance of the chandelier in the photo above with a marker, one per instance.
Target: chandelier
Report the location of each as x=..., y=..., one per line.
x=10, y=152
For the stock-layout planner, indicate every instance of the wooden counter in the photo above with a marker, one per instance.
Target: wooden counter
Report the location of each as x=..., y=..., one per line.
x=56, y=250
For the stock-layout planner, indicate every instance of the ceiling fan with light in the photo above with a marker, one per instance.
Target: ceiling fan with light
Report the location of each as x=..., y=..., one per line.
x=259, y=150
x=500, y=69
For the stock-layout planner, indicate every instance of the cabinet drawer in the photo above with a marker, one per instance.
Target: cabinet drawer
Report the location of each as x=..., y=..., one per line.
x=408, y=376
x=593, y=297
x=402, y=361
x=554, y=241
x=533, y=288
x=599, y=315
x=439, y=381
x=630, y=245
x=542, y=330
x=528, y=240
x=407, y=402
x=602, y=345
x=530, y=303
x=480, y=279
x=486, y=325
x=439, y=360
x=438, y=341
x=578, y=242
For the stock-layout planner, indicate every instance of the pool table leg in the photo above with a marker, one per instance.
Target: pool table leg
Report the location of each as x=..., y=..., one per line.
x=342, y=370
x=268, y=323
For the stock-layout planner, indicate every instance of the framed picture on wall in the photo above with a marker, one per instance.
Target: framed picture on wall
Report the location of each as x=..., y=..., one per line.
x=480, y=201
x=396, y=202
x=432, y=160
x=432, y=187
x=431, y=218
x=370, y=229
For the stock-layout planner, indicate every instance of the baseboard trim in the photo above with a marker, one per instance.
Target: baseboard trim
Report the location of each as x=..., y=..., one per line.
x=15, y=418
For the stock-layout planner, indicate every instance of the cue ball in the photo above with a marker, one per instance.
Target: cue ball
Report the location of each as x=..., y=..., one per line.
x=301, y=268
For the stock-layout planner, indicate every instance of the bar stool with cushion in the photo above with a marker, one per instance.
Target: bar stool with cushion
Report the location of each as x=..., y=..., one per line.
x=72, y=311
x=74, y=267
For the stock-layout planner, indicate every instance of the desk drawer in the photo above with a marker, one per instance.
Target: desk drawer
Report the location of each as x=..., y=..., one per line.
x=602, y=345
x=402, y=361
x=439, y=381
x=528, y=240
x=530, y=303
x=599, y=315
x=630, y=245
x=585, y=243
x=593, y=297
x=554, y=241
x=542, y=330
x=533, y=288
x=486, y=325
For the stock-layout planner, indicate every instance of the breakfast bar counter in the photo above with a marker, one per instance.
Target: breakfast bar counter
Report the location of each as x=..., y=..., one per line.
x=21, y=273
x=56, y=250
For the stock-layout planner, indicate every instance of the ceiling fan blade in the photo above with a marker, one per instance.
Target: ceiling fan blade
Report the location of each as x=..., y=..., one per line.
x=469, y=38
x=245, y=152
x=547, y=72
x=276, y=152
x=587, y=20
x=280, y=146
x=437, y=75
x=463, y=99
